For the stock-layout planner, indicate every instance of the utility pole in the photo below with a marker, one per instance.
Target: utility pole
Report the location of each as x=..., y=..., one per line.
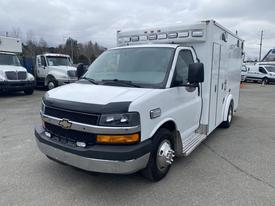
x=72, y=51
x=261, y=44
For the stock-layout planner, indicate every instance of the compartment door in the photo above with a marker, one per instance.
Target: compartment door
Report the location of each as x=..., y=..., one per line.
x=216, y=56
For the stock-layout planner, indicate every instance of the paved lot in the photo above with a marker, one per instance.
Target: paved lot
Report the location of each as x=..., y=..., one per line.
x=232, y=167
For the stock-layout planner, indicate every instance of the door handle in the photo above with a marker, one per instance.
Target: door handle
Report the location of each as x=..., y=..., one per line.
x=215, y=88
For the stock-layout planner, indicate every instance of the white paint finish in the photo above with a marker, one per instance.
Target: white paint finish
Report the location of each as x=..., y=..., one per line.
x=214, y=87
x=97, y=94
x=176, y=104
x=253, y=72
x=6, y=68
x=58, y=72
x=222, y=64
x=9, y=44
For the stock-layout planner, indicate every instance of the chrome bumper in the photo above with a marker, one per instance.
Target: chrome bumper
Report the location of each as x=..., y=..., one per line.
x=95, y=165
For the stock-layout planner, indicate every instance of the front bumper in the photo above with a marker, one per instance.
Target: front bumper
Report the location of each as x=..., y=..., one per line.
x=116, y=159
x=16, y=85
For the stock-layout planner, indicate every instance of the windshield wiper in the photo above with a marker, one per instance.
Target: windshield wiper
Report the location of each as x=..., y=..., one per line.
x=120, y=82
x=90, y=80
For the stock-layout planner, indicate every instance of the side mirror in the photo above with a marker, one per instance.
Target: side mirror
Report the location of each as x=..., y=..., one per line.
x=196, y=73
x=80, y=70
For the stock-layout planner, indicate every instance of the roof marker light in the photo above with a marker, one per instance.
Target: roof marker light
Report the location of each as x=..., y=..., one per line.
x=152, y=37
x=134, y=38
x=172, y=35
x=126, y=39
x=198, y=33
x=143, y=38
x=162, y=36
x=183, y=34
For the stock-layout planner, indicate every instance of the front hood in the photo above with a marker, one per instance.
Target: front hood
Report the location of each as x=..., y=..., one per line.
x=62, y=68
x=96, y=94
x=5, y=68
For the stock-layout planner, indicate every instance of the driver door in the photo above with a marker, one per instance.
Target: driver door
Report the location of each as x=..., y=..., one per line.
x=41, y=67
x=186, y=101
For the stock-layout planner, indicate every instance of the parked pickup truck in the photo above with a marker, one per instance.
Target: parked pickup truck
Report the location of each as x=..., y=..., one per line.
x=13, y=77
x=53, y=70
x=155, y=96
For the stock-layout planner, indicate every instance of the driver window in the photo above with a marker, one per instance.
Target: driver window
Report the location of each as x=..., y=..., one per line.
x=181, y=71
x=43, y=61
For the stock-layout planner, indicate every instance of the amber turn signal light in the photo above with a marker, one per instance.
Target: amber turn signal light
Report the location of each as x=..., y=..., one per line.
x=131, y=138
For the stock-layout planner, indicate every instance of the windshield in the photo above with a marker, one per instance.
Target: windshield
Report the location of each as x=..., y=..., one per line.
x=9, y=59
x=58, y=61
x=146, y=67
x=270, y=68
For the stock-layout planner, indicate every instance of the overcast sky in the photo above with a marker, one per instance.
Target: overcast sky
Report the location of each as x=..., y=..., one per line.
x=98, y=20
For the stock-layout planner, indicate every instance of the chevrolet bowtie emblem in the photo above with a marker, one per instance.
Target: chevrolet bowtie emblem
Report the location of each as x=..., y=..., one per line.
x=65, y=123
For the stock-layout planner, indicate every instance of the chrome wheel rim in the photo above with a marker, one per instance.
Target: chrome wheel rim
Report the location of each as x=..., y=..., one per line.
x=51, y=85
x=165, y=155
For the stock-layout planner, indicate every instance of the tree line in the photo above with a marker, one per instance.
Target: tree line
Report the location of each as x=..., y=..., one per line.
x=79, y=52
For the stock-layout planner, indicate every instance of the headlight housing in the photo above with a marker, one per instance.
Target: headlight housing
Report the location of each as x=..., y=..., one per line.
x=42, y=107
x=2, y=76
x=30, y=77
x=120, y=120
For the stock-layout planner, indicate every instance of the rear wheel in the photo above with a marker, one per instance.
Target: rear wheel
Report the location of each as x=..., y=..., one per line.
x=161, y=156
x=227, y=123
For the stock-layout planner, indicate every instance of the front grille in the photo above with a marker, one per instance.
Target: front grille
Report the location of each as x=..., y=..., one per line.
x=70, y=137
x=72, y=115
x=11, y=75
x=22, y=75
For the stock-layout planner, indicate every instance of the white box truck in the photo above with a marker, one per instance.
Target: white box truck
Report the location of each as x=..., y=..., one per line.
x=52, y=70
x=157, y=95
x=13, y=77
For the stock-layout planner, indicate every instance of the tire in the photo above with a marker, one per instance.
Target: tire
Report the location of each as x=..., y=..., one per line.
x=265, y=80
x=157, y=166
x=28, y=91
x=51, y=83
x=227, y=123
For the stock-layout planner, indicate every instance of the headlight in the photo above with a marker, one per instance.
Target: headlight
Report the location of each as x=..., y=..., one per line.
x=2, y=76
x=30, y=77
x=120, y=120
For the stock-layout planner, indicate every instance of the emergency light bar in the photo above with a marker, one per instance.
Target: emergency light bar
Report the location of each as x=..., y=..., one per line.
x=178, y=34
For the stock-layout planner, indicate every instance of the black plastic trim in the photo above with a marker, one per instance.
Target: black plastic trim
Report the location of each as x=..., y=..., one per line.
x=110, y=108
x=16, y=85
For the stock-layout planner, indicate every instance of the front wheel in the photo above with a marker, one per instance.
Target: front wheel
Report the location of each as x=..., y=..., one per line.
x=51, y=84
x=265, y=80
x=161, y=156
